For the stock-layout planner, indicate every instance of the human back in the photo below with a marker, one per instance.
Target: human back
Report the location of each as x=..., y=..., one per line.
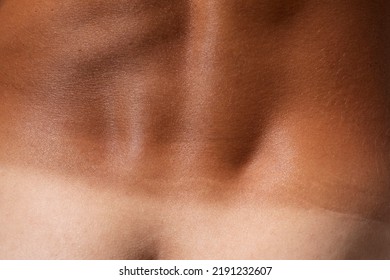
x=163, y=129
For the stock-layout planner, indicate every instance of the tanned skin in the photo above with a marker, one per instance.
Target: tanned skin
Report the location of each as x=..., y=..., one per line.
x=191, y=129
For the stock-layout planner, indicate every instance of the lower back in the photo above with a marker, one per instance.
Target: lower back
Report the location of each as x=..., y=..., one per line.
x=169, y=123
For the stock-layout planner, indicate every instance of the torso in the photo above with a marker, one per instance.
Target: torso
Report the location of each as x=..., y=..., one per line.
x=194, y=129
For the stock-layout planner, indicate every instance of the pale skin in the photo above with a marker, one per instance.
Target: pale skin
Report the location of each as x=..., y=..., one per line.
x=151, y=129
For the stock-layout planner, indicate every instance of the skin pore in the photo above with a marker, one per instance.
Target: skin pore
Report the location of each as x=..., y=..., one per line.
x=178, y=129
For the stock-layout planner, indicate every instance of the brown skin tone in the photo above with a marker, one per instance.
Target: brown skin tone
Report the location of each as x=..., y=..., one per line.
x=150, y=129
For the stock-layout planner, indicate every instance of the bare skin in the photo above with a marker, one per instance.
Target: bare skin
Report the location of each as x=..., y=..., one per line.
x=151, y=129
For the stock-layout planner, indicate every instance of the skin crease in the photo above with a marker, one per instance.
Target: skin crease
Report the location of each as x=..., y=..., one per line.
x=156, y=129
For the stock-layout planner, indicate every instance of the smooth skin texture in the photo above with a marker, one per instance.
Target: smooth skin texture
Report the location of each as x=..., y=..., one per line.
x=190, y=129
